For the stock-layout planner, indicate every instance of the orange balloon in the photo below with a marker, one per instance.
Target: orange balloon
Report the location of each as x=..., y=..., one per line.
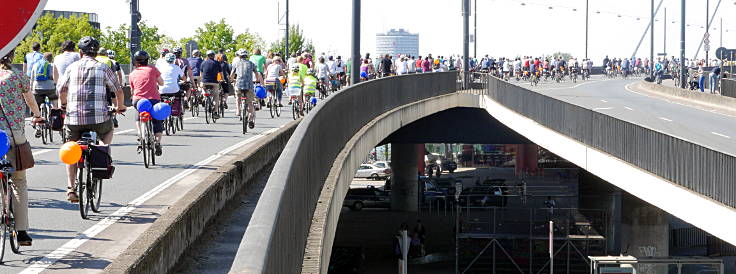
x=70, y=153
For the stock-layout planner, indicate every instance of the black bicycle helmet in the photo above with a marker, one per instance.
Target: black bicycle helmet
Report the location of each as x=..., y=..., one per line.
x=88, y=45
x=141, y=57
x=178, y=50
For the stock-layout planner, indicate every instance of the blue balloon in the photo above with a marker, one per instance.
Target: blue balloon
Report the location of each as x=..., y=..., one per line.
x=260, y=92
x=363, y=74
x=144, y=105
x=161, y=111
x=313, y=100
x=4, y=143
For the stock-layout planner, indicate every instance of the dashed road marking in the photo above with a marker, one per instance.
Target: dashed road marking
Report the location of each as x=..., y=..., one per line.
x=664, y=119
x=604, y=101
x=629, y=108
x=70, y=246
x=603, y=108
x=123, y=131
x=722, y=135
x=41, y=152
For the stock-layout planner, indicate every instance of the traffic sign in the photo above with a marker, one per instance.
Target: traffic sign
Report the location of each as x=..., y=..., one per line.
x=724, y=53
x=17, y=18
x=706, y=47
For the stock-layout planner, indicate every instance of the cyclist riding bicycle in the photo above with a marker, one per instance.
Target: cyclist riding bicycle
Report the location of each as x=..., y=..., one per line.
x=143, y=84
x=242, y=72
x=310, y=85
x=211, y=70
x=82, y=93
x=273, y=73
x=16, y=95
x=188, y=75
x=296, y=80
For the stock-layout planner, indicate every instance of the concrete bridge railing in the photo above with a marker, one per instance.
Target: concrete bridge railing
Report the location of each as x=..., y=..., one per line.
x=275, y=239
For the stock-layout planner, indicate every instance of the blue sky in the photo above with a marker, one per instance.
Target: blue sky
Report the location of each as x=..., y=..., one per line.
x=505, y=27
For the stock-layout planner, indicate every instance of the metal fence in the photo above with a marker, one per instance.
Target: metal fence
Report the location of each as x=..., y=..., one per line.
x=275, y=239
x=698, y=168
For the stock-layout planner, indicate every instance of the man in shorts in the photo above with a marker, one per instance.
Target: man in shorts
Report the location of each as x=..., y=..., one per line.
x=82, y=93
x=242, y=72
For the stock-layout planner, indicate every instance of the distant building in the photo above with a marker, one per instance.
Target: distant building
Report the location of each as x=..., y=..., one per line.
x=66, y=14
x=397, y=42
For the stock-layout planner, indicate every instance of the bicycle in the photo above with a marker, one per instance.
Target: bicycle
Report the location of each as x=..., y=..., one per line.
x=7, y=229
x=195, y=100
x=147, y=139
x=273, y=104
x=308, y=106
x=296, y=107
x=175, y=121
x=88, y=185
x=209, y=108
x=246, y=116
x=46, y=135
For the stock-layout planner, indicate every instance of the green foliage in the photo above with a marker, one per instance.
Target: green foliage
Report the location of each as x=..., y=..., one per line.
x=249, y=42
x=216, y=36
x=565, y=56
x=50, y=32
x=151, y=41
x=297, y=42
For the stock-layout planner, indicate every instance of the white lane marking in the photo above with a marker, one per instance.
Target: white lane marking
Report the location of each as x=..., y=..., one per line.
x=627, y=87
x=70, y=246
x=575, y=86
x=665, y=119
x=603, y=108
x=722, y=135
x=604, y=101
x=41, y=152
x=124, y=131
x=190, y=118
x=629, y=108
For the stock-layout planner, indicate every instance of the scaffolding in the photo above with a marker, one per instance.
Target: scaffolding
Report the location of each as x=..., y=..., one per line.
x=516, y=240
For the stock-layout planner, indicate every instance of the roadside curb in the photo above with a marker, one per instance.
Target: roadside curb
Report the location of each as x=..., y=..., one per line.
x=688, y=97
x=160, y=247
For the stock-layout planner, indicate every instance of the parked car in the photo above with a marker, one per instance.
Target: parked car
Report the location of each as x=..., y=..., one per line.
x=383, y=164
x=373, y=172
x=449, y=165
x=370, y=197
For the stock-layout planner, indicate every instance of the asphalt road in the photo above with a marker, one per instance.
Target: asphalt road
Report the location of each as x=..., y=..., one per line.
x=617, y=98
x=55, y=222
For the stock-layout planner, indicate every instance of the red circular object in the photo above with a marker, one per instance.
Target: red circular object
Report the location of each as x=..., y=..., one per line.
x=17, y=18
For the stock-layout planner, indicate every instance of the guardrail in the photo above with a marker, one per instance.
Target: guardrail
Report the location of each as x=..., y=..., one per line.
x=706, y=171
x=275, y=239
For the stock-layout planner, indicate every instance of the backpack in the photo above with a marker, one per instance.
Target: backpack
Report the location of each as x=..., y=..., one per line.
x=56, y=119
x=42, y=70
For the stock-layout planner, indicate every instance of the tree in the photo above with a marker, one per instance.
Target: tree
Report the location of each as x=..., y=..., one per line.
x=216, y=36
x=151, y=40
x=565, y=56
x=297, y=42
x=50, y=32
x=249, y=41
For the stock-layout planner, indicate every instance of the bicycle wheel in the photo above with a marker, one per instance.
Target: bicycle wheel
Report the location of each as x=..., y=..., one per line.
x=272, y=106
x=193, y=105
x=96, y=193
x=172, y=124
x=245, y=116
x=151, y=143
x=207, y=109
x=180, y=120
x=166, y=125
x=294, y=110
x=82, y=192
x=278, y=108
x=12, y=232
x=144, y=146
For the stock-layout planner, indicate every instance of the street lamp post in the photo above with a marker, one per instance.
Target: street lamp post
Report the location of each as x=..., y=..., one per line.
x=135, y=32
x=586, y=29
x=466, y=41
x=651, y=49
x=683, y=70
x=707, y=29
x=475, y=29
x=355, y=65
x=286, y=41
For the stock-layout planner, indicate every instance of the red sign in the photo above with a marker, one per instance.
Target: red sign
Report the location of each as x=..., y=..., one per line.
x=17, y=18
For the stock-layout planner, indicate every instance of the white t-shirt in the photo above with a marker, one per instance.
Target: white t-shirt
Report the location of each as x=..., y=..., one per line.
x=62, y=61
x=339, y=66
x=272, y=72
x=401, y=67
x=170, y=73
x=322, y=70
x=412, y=65
x=332, y=66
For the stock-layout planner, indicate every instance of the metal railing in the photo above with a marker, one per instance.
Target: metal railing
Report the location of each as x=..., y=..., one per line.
x=275, y=239
x=694, y=166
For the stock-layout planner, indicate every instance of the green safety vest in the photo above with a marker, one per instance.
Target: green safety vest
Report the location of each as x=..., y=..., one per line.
x=295, y=80
x=310, y=84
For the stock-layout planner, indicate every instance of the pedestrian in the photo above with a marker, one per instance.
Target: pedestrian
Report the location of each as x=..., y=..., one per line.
x=715, y=73
x=31, y=58
x=15, y=94
x=421, y=234
x=701, y=79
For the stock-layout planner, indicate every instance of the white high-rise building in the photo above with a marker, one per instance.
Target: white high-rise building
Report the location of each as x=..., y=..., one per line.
x=397, y=42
